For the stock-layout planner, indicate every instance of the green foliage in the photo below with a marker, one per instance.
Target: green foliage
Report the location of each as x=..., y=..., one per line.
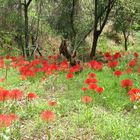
x=71, y=19
x=125, y=16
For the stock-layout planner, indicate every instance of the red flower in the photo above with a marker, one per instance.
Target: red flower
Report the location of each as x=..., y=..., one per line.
x=64, y=65
x=99, y=89
x=132, y=97
x=2, y=79
x=86, y=99
x=132, y=63
x=134, y=91
x=128, y=70
x=92, y=86
x=109, y=58
x=89, y=80
x=53, y=67
x=27, y=71
x=52, y=103
x=6, y=120
x=134, y=94
x=136, y=55
x=70, y=76
x=127, y=83
x=117, y=55
x=4, y=94
x=84, y=89
x=13, y=117
x=47, y=115
x=113, y=64
x=31, y=96
x=117, y=73
x=2, y=63
x=96, y=65
x=92, y=75
x=43, y=79
x=23, y=77
x=107, y=54
x=15, y=94
x=76, y=68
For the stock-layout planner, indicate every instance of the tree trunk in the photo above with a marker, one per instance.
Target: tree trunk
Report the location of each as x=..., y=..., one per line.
x=100, y=20
x=94, y=44
x=95, y=32
x=125, y=41
x=126, y=48
x=65, y=52
x=20, y=39
x=35, y=46
x=26, y=30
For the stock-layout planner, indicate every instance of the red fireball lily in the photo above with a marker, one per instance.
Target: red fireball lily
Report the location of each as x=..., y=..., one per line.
x=117, y=55
x=136, y=55
x=6, y=120
x=90, y=80
x=70, y=75
x=113, y=64
x=2, y=63
x=132, y=63
x=129, y=70
x=31, y=96
x=84, y=89
x=47, y=115
x=126, y=83
x=92, y=75
x=99, y=90
x=3, y=94
x=52, y=103
x=92, y=86
x=15, y=94
x=86, y=99
x=134, y=94
x=118, y=73
x=96, y=65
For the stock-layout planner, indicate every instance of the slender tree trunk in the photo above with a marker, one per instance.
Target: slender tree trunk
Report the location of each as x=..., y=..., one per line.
x=20, y=39
x=26, y=31
x=95, y=35
x=36, y=48
x=65, y=52
x=126, y=47
x=125, y=41
x=100, y=20
x=94, y=45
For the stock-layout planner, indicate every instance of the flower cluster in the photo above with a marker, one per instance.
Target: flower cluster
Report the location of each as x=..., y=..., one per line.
x=7, y=120
x=134, y=94
x=127, y=83
x=10, y=95
x=96, y=65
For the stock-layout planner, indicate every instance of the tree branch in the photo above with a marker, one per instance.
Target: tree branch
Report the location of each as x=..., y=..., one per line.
x=28, y=3
x=110, y=6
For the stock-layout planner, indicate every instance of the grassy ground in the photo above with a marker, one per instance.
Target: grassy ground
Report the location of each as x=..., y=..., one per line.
x=110, y=116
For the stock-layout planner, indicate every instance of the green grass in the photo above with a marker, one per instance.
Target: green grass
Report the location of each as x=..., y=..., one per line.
x=111, y=115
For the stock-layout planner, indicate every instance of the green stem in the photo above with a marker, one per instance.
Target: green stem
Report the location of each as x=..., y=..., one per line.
x=48, y=133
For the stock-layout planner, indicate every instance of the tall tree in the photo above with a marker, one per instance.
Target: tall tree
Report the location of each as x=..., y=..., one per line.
x=73, y=21
x=26, y=25
x=101, y=14
x=126, y=19
x=20, y=27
